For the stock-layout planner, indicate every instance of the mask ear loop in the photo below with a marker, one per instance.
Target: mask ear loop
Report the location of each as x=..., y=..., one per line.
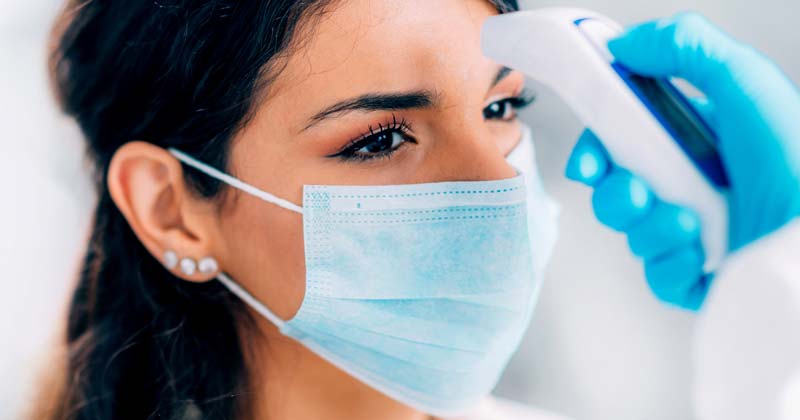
x=233, y=182
x=236, y=183
x=249, y=299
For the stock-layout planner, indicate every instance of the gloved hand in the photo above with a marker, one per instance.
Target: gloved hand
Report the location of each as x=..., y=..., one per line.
x=754, y=109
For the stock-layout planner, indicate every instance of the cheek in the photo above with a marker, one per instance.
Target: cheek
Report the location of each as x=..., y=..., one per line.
x=265, y=253
x=507, y=135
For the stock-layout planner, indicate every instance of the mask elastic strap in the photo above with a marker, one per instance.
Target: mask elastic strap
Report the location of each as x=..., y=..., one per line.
x=233, y=182
x=249, y=299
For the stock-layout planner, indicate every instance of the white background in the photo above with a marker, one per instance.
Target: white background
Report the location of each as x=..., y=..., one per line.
x=600, y=346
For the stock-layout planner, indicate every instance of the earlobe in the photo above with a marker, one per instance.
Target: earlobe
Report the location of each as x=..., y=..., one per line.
x=179, y=229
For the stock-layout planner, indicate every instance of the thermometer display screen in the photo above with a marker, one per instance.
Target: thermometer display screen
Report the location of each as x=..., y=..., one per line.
x=683, y=123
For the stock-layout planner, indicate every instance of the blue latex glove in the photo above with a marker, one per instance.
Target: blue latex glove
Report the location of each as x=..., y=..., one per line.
x=754, y=109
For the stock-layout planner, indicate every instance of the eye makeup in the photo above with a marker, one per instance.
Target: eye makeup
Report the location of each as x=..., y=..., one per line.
x=380, y=143
x=382, y=140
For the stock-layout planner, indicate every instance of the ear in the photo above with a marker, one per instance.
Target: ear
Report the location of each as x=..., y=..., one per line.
x=177, y=227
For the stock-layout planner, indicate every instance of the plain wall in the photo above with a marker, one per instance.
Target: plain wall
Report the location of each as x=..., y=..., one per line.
x=600, y=346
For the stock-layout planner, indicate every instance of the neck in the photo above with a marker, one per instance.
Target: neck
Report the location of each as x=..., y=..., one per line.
x=288, y=381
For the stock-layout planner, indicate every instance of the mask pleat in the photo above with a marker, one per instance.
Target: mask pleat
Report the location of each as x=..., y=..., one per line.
x=437, y=259
x=418, y=375
x=422, y=322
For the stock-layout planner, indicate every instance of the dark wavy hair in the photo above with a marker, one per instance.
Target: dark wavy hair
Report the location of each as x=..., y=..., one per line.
x=141, y=343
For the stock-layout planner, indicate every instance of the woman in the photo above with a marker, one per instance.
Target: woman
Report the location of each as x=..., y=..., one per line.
x=269, y=97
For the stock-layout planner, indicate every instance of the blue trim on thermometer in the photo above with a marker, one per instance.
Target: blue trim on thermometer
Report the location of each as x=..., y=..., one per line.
x=707, y=160
x=678, y=117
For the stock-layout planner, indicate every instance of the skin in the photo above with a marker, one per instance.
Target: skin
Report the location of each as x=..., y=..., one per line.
x=358, y=47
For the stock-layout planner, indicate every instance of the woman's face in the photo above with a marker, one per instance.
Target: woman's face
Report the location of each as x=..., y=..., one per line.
x=376, y=92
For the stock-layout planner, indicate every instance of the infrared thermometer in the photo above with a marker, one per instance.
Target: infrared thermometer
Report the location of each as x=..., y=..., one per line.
x=645, y=124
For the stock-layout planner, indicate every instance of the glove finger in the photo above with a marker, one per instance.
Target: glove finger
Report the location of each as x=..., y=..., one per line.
x=665, y=228
x=678, y=278
x=589, y=161
x=621, y=199
x=688, y=46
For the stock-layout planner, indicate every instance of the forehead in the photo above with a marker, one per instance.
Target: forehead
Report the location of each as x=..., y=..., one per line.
x=360, y=46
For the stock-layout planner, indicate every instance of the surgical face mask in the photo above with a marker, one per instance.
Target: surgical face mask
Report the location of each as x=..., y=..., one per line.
x=543, y=211
x=421, y=291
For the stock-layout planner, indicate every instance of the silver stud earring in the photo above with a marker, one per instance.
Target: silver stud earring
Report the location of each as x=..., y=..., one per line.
x=170, y=259
x=208, y=265
x=188, y=266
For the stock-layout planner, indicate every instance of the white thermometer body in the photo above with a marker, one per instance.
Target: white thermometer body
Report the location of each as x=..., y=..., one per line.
x=646, y=124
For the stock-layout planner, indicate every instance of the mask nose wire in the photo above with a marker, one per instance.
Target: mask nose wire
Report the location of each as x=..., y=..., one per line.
x=233, y=182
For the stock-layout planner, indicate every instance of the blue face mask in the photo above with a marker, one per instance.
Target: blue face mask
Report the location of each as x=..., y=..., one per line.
x=421, y=291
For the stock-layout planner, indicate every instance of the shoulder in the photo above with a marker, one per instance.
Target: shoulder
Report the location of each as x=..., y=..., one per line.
x=494, y=408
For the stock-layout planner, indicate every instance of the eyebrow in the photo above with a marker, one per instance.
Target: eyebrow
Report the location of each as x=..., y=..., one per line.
x=389, y=101
x=501, y=74
x=377, y=102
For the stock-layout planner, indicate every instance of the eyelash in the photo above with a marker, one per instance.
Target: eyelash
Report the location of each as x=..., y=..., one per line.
x=403, y=128
x=520, y=101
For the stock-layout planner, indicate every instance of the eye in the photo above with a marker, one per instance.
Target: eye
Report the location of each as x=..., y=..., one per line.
x=506, y=109
x=376, y=144
x=381, y=142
